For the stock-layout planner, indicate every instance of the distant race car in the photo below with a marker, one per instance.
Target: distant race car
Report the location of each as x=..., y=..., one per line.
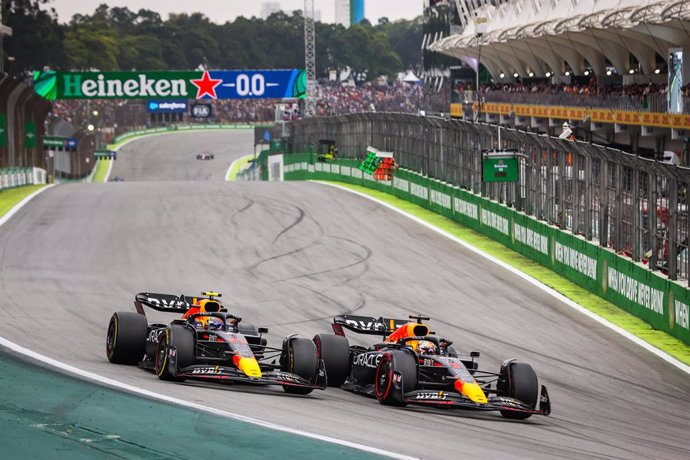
x=205, y=156
x=117, y=179
x=208, y=343
x=413, y=366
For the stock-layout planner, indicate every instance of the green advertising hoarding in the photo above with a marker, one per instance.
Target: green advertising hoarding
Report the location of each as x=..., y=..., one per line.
x=183, y=84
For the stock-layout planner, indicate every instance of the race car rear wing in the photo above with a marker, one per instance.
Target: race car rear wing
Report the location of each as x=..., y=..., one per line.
x=367, y=324
x=165, y=302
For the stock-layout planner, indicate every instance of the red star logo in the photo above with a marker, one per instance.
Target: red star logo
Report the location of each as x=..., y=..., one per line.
x=206, y=85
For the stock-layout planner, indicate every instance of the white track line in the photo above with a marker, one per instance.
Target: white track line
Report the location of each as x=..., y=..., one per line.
x=647, y=346
x=21, y=204
x=110, y=168
x=161, y=397
x=227, y=173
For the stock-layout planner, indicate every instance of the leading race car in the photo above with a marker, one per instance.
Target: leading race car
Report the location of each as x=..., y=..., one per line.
x=413, y=366
x=209, y=343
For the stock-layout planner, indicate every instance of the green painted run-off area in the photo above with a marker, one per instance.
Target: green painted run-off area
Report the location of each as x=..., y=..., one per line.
x=48, y=415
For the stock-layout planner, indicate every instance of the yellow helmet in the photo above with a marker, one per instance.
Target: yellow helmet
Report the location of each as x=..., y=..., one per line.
x=425, y=347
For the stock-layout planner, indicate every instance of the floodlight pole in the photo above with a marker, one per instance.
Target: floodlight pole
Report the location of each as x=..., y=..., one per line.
x=476, y=86
x=309, y=58
x=480, y=25
x=4, y=31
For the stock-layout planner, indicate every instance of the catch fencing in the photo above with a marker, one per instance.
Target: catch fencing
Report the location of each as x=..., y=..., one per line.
x=635, y=206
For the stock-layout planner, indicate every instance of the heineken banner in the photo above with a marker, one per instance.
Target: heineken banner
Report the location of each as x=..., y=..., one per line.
x=213, y=84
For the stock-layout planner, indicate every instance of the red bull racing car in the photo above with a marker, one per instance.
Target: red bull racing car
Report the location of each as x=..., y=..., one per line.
x=414, y=366
x=208, y=343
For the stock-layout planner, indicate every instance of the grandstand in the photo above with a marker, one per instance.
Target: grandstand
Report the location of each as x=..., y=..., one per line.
x=630, y=58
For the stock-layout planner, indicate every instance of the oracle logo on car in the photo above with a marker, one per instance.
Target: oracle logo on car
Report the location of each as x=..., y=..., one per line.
x=367, y=359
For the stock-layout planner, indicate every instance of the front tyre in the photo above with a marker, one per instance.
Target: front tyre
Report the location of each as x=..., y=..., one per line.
x=519, y=381
x=126, y=339
x=387, y=389
x=183, y=340
x=300, y=358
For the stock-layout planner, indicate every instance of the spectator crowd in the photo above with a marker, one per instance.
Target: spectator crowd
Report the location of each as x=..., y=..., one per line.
x=399, y=97
x=635, y=96
x=330, y=100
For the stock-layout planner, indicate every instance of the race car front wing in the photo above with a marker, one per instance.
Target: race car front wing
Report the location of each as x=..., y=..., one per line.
x=494, y=403
x=232, y=374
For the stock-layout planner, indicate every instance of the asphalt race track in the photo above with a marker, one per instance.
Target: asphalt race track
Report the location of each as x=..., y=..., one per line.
x=290, y=256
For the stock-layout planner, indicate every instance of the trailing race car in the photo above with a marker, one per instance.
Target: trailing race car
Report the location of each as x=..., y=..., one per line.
x=205, y=156
x=209, y=343
x=414, y=366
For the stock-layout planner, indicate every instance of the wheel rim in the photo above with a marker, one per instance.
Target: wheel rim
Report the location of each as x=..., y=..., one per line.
x=110, y=341
x=162, y=354
x=384, y=378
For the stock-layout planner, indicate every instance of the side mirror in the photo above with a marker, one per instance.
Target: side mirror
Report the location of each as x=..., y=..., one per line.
x=474, y=354
x=263, y=330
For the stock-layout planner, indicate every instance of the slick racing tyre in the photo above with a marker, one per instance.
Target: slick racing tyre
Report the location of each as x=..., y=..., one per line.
x=300, y=358
x=334, y=350
x=126, y=340
x=183, y=340
x=519, y=381
x=395, y=361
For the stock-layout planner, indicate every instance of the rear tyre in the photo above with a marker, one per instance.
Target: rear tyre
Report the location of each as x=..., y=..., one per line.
x=300, y=358
x=334, y=350
x=395, y=361
x=519, y=381
x=126, y=340
x=183, y=340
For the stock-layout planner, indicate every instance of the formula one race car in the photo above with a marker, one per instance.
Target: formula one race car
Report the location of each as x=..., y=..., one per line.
x=414, y=366
x=205, y=156
x=209, y=343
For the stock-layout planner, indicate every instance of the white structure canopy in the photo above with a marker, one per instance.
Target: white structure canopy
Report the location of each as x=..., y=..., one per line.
x=554, y=36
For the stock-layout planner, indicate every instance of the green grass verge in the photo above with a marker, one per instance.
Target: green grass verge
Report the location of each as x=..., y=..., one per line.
x=591, y=302
x=239, y=166
x=101, y=170
x=10, y=197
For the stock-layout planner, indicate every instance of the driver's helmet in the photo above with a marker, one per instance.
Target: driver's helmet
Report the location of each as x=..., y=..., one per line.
x=426, y=347
x=214, y=324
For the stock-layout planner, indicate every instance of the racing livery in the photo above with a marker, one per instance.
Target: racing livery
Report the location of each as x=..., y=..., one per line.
x=208, y=343
x=414, y=366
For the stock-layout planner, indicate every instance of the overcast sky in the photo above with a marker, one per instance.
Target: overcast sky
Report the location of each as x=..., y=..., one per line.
x=227, y=10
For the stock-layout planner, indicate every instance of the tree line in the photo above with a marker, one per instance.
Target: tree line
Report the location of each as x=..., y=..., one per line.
x=120, y=39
